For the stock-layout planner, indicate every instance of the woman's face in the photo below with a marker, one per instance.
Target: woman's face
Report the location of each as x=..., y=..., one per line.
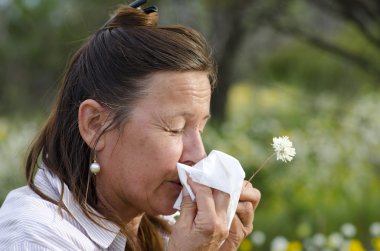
x=139, y=171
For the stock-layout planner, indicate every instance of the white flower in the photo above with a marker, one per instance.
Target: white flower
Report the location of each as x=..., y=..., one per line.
x=279, y=243
x=258, y=238
x=336, y=240
x=374, y=229
x=348, y=230
x=284, y=148
x=319, y=240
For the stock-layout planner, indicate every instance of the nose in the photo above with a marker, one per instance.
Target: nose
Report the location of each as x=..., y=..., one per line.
x=193, y=148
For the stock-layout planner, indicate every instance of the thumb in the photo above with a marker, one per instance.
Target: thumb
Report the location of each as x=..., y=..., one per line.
x=188, y=208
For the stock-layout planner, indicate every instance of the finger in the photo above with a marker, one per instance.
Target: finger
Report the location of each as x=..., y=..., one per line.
x=242, y=223
x=236, y=230
x=188, y=208
x=203, y=197
x=251, y=194
x=222, y=201
x=245, y=213
x=207, y=221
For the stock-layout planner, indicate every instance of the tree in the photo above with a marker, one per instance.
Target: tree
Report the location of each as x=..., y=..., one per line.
x=232, y=23
x=36, y=39
x=363, y=15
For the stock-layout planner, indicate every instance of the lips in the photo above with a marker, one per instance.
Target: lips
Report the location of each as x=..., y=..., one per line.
x=177, y=184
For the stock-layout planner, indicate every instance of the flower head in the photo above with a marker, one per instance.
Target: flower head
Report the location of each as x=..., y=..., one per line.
x=284, y=148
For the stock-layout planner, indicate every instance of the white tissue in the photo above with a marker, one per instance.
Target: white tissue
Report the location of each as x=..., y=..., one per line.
x=218, y=170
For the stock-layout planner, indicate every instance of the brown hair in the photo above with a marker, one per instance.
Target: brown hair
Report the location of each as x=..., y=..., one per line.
x=109, y=68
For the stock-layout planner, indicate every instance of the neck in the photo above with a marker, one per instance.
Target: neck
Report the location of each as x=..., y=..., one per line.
x=129, y=218
x=133, y=225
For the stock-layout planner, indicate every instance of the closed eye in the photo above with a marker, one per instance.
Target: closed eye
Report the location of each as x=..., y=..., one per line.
x=177, y=131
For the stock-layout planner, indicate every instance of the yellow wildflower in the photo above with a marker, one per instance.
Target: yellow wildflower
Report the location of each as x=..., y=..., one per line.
x=355, y=245
x=294, y=246
x=376, y=243
x=245, y=245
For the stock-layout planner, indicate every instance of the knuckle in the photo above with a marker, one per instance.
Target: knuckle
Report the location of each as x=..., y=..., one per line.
x=224, y=234
x=249, y=229
x=217, y=228
x=257, y=194
x=222, y=229
x=246, y=230
x=211, y=227
x=249, y=193
x=187, y=203
x=246, y=207
x=247, y=184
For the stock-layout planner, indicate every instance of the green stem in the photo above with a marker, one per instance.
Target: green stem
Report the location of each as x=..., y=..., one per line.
x=261, y=167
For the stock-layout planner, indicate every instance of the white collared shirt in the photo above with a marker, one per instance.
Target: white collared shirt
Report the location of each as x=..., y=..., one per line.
x=28, y=222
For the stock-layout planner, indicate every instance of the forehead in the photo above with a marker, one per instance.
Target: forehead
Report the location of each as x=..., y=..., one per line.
x=173, y=94
x=178, y=85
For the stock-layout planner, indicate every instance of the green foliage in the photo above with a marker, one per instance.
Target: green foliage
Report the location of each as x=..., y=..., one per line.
x=335, y=172
x=36, y=38
x=328, y=108
x=15, y=137
x=313, y=70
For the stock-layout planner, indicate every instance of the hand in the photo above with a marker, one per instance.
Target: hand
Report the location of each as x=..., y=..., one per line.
x=242, y=224
x=202, y=224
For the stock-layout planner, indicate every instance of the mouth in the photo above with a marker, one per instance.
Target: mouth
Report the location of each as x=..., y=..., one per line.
x=177, y=184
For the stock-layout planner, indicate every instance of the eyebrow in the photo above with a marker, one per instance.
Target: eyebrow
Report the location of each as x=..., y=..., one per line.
x=187, y=114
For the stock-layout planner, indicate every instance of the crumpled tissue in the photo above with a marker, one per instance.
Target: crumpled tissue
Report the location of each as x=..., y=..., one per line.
x=218, y=170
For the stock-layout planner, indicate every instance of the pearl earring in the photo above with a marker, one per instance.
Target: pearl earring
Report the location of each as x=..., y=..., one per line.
x=94, y=167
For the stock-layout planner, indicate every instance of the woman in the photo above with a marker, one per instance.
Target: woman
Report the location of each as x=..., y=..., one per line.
x=102, y=172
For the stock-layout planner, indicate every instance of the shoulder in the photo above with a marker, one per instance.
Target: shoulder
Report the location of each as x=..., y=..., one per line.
x=24, y=246
x=26, y=219
x=22, y=205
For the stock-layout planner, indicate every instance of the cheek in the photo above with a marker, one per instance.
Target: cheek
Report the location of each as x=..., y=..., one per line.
x=167, y=149
x=153, y=153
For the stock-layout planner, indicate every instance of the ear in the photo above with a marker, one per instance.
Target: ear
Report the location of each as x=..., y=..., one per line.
x=92, y=118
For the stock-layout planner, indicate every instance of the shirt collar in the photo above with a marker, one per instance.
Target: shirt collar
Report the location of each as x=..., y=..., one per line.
x=103, y=234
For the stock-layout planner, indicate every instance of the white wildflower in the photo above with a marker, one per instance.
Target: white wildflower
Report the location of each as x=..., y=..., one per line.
x=374, y=229
x=336, y=240
x=279, y=243
x=319, y=240
x=258, y=237
x=284, y=148
x=348, y=230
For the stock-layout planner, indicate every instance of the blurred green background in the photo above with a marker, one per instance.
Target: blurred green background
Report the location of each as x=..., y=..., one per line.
x=302, y=68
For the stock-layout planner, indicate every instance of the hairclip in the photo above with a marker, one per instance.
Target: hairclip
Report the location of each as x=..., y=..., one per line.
x=136, y=4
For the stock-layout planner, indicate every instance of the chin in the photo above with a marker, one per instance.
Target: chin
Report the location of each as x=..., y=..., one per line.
x=169, y=211
x=163, y=208
x=162, y=212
